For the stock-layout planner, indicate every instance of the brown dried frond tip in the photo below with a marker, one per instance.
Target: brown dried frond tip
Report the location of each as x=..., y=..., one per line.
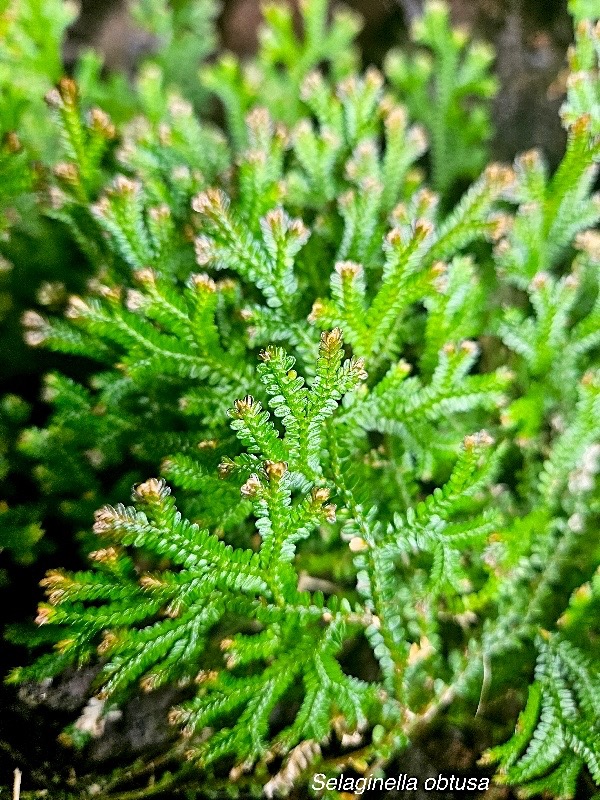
x=275, y=218
x=589, y=243
x=210, y=202
x=149, y=683
x=500, y=176
x=225, y=468
x=373, y=78
x=160, y=213
x=68, y=90
x=320, y=494
x=582, y=125
x=423, y=228
x=151, y=582
x=481, y=439
x=348, y=269
x=76, y=308
x=242, y=407
x=44, y=615
x=357, y=368
x=311, y=84
x=470, y=347
x=101, y=123
x=317, y=311
x=203, y=282
x=109, y=640
x=55, y=584
x=259, y=120
x=145, y=276
x=105, y=518
x=152, y=489
x=251, y=487
x=531, y=159
x=53, y=98
x=105, y=555
x=275, y=470
x=540, y=281
x=37, y=329
x=204, y=250
x=296, y=763
x=500, y=226
x=67, y=172
x=124, y=187
x=396, y=117
x=331, y=339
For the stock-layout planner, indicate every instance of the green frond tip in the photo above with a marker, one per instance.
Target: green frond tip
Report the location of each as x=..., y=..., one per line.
x=302, y=409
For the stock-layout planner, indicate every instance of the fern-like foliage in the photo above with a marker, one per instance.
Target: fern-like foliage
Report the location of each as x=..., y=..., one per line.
x=157, y=627
x=284, y=61
x=558, y=730
x=186, y=37
x=208, y=579
x=20, y=529
x=445, y=85
x=423, y=485
x=584, y=55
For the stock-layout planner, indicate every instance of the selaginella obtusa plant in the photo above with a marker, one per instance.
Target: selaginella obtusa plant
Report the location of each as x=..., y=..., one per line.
x=383, y=416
